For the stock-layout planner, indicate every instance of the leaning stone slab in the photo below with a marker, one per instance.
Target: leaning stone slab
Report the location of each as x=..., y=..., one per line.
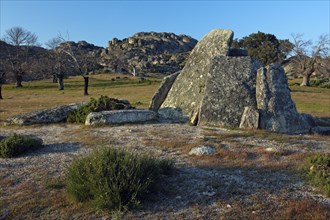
x=120, y=117
x=51, y=115
x=159, y=97
x=277, y=110
x=188, y=89
x=230, y=87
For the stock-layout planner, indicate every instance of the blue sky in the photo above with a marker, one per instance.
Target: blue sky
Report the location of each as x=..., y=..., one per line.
x=99, y=21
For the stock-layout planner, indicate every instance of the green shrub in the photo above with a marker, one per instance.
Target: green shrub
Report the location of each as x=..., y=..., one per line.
x=317, y=172
x=103, y=103
x=322, y=82
x=114, y=179
x=17, y=144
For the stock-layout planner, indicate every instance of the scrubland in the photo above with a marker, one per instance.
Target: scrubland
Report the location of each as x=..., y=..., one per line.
x=252, y=175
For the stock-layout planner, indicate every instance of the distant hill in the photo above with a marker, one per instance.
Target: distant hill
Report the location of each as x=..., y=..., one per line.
x=149, y=52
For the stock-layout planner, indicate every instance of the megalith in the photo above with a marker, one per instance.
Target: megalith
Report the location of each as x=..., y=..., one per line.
x=187, y=91
x=220, y=86
x=277, y=110
x=230, y=87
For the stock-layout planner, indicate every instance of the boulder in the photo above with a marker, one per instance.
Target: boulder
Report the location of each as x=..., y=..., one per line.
x=120, y=117
x=230, y=87
x=52, y=115
x=162, y=92
x=277, y=110
x=188, y=89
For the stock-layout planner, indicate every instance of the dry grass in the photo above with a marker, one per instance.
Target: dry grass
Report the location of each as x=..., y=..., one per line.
x=311, y=100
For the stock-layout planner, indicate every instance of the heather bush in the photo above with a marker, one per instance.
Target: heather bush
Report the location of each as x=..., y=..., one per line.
x=16, y=145
x=114, y=179
x=317, y=172
x=103, y=103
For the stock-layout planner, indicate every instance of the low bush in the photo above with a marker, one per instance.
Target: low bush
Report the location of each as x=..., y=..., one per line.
x=103, y=103
x=317, y=172
x=17, y=144
x=114, y=179
x=322, y=83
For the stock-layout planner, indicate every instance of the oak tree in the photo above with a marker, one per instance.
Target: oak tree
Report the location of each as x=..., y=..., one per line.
x=18, y=58
x=309, y=57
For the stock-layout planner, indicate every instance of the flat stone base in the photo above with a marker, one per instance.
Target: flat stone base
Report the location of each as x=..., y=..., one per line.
x=120, y=117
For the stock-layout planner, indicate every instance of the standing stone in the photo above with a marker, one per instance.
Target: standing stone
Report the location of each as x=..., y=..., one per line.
x=277, y=110
x=162, y=92
x=230, y=87
x=188, y=89
x=250, y=118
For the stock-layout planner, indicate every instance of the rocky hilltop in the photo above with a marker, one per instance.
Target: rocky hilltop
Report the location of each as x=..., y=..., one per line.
x=144, y=52
x=84, y=47
x=148, y=52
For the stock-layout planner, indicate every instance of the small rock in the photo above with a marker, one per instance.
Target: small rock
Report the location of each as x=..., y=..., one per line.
x=270, y=149
x=202, y=150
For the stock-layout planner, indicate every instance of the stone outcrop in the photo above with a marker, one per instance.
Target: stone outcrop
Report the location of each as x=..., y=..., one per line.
x=83, y=46
x=162, y=92
x=230, y=87
x=149, y=52
x=52, y=115
x=188, y=89
x=277, y=110
x=120, y=117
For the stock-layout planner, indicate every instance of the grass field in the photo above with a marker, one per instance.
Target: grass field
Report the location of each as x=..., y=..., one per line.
x=44, y=94
x=311, y=100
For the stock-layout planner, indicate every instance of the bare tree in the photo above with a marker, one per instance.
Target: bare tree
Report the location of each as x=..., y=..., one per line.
x=2, y=77
x=83, y=62
x=22, y=40
x=308, y=56
x=57, y=56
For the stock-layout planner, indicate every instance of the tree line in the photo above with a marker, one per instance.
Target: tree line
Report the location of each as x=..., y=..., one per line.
x=306, y=56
